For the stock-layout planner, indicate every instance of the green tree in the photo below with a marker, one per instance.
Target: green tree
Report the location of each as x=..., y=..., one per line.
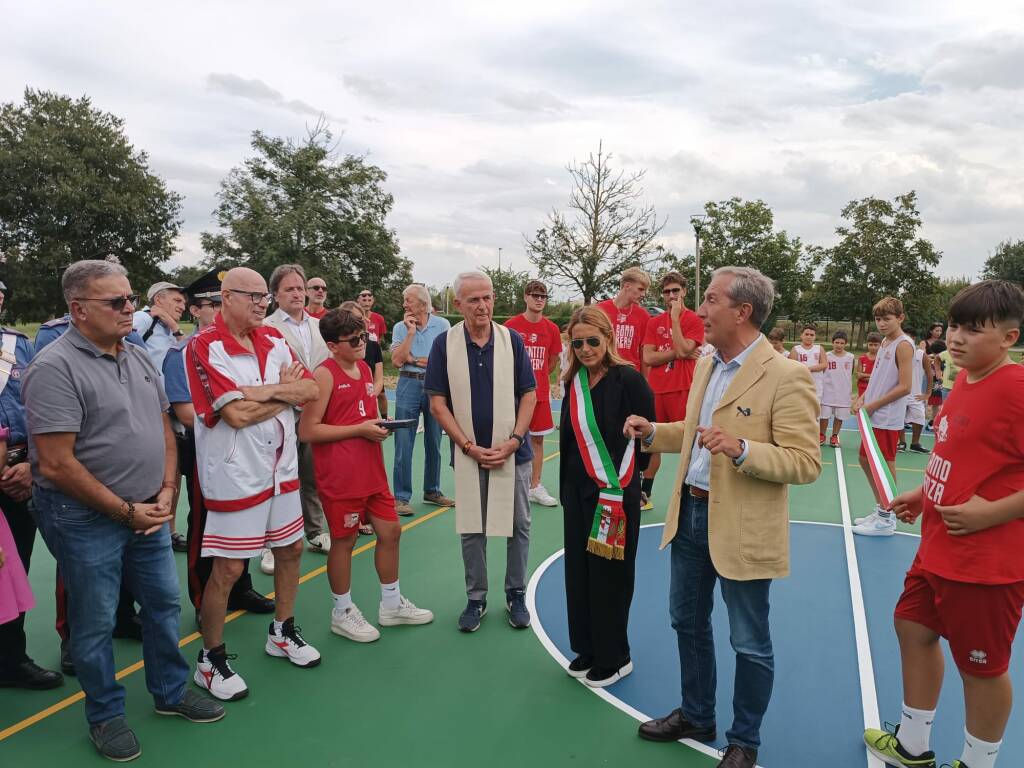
x=73, y=187
x=742, y=233
x=303, y=203
x=604, y=230
x=879, y=253
x=508, y=289
x=1007, y=263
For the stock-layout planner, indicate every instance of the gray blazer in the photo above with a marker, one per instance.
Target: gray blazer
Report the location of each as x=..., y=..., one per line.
x=318, y=349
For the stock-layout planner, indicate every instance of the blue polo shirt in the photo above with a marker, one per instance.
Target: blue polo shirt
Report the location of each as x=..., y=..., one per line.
x=481, y=383
x=175, y=380
x=12, y=411
x=422, y=342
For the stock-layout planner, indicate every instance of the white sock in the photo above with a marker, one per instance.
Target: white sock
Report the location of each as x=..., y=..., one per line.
x=342, y=602
x=915, y=729
x=978, y=753
x=390, y=596
x=884, y=514
x=278, y=627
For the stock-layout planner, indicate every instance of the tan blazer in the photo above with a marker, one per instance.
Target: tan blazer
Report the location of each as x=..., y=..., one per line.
x=318, y=348
x=748, y=506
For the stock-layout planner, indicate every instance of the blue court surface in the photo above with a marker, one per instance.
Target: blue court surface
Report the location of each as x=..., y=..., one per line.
x=817, y=712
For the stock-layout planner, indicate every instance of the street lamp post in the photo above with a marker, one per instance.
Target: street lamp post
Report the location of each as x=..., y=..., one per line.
x=697, y=220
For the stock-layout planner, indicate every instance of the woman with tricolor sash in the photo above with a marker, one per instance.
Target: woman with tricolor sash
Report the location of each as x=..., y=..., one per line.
x=599, y=485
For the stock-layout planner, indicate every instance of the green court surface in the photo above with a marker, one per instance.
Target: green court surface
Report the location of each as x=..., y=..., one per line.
x=421, y=696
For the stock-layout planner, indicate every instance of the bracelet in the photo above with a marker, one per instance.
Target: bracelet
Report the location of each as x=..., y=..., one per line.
x=518, y=438
x=168, y=484
x=128, y=510
x=466, y=446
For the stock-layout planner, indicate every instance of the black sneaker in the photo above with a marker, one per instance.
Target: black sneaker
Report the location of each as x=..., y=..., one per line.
x=579, y=666
x=515, y=604
x=178, y=542
x=469, y=621
x=918, y=448
x=901, y=447
x=115, y=740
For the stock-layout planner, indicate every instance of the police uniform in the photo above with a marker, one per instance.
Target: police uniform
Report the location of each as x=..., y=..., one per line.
x=243, y=595
x=52, y=330
x=16, y=667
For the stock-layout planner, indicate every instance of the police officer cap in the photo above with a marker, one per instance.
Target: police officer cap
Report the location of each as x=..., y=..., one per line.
x=206, y=287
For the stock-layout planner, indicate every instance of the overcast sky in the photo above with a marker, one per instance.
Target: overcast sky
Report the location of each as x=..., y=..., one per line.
x=473, y=109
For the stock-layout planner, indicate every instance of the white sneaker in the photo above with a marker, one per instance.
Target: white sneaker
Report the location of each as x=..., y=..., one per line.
x=870, y=518
x=351, y=624
x=214, y=674
x=540, y=495
x=320, y=543
x=290, y=645
x=880, y=526
x=405, y=613
x=267, y=562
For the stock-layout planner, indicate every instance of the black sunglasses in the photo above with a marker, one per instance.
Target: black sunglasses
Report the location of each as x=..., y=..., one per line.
x=117, y=303
x=354, y=341
x=318, y=287
x=592, y=341
x=541, y=296
x=672, y=291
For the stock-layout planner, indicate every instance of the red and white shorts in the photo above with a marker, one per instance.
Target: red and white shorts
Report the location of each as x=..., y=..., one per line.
x=978, y=620
x=344, y=516
x=670, y=406
x=542, y=423
x=240, y=535
x=887, y=440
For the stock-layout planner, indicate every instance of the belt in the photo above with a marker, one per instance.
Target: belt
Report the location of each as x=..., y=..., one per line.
x=16, y=454
x=412, y=375
x=695, y=492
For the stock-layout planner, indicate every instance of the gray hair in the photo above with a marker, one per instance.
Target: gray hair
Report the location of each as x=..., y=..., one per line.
x=465, y=277
x=282, y=271
x=749, y=286
x=420, y=292
x=79, y=275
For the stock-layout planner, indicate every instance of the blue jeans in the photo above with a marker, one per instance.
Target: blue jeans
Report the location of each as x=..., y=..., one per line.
x=92, y=552
x=691, y=597
x=410, y=402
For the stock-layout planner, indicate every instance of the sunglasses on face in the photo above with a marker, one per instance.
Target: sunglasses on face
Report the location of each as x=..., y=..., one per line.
x=318, y=287
x=257, y=297
x=538, y=296
x=591, y=341
x=365, y=295
x=117, y=303
x=672, y=291
x=354, y=341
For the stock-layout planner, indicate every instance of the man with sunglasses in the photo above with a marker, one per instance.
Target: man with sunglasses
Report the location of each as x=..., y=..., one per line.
x=105, y=469
x=671, y=348
x=544, y=345
x=374, y=320
x=204, y=303
x=316, y=288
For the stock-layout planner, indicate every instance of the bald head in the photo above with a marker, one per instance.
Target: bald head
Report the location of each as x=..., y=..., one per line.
x=243, y=279
x=244, y=299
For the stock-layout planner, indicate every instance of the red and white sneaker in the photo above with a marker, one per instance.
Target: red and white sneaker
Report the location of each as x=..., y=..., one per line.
x=821, y=438
x=834, y=442
x=214, y=674
x=290, y=645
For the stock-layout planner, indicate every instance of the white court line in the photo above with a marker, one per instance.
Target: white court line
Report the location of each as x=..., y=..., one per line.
x=868, y=695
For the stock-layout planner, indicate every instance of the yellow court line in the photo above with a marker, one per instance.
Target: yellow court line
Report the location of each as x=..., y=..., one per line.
x=132, y=668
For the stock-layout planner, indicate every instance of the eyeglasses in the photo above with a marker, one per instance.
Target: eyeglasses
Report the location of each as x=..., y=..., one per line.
x=365, y=295
x=205, y=304
x=318, y=287
x=354, y=341
x=257, y=297
x=538, y=296
x=592, y=341
x=671, y=291
x=117, y=303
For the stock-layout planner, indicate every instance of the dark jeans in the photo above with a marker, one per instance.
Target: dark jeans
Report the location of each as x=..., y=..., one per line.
x=691, y=598
x=93, y=552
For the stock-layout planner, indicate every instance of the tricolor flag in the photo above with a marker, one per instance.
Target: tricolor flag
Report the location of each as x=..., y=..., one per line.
x=876, y=461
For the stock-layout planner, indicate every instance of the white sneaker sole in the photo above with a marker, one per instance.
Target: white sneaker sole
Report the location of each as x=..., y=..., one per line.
x=200, y=681
x=273, y=650
x=367, y=638
x=621, y=673
x=579, y=675
x=474, y=629
x=883, y=757
x=396, y=621
x=552, y=502
x=874, y=531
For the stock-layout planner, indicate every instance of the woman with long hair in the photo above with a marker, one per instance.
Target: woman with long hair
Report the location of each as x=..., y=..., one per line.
x=599, y=485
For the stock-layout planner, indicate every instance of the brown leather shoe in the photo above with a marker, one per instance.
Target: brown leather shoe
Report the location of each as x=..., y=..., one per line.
x=738, y=757
x=674, y=727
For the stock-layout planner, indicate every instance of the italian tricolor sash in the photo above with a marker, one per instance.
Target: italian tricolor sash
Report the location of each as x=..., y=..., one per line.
x=608, y=534
x=876, y=461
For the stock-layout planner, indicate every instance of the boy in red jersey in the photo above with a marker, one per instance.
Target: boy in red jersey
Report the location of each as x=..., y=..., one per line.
x=342, y=425
x=544, y=345
x=967, y=582
x=671, y=348
x=866, y=363
x=629, y=319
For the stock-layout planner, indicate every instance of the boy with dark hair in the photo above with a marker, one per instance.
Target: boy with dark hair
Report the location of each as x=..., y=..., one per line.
x=776, y=337
x=837, y=388
x=884, y=401
x=813, y=356
x=866, y=362
x=343, y=427
x=967, y=582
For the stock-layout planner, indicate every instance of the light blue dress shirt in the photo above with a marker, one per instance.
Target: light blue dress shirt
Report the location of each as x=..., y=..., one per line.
x=422, y=341
x=159, y=341
x=699, y=472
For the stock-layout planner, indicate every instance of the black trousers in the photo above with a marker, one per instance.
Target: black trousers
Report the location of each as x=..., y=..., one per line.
x=598, y=592
x=199, y=568
x=23, y=529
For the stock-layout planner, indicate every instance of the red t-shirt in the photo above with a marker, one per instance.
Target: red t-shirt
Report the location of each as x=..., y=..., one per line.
x=318, y=313
x=675, y=375
x=865, y=365
x=353, y=468
x=629, y=326
x=543, y=343
x=979, y=450
x=377, y=326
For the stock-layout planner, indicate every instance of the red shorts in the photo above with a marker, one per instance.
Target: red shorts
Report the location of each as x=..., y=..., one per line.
x=887, y=440
x=542, y=422
x=670, y=406
x=978, y=620
x=344, y=516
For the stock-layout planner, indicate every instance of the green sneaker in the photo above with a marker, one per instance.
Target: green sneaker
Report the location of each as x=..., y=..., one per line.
x=955, y=764
x=886, y=747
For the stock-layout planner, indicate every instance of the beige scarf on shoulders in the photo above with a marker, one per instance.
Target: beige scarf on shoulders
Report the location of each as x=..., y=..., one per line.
x=469, y=517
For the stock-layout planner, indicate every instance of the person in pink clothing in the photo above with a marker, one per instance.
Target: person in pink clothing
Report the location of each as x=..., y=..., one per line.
x=15, y=593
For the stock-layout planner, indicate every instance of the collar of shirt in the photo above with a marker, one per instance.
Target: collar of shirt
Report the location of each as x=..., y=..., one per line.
x=288, y=319
x=469, y=340
x=738, y=360
x=79, y=339
x=231, y=344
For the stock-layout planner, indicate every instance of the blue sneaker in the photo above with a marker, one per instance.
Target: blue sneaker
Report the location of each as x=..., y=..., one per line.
x=469, y=621
x=515, y=604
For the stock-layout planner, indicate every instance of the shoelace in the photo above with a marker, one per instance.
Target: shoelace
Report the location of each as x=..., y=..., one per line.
x=291, y=631
x=220, y=664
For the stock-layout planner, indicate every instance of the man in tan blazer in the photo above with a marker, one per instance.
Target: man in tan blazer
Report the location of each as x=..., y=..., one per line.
x=302, y=332
x=750, y=433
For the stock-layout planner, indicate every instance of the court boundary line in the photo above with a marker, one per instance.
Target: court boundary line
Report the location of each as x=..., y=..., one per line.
x=865, y=665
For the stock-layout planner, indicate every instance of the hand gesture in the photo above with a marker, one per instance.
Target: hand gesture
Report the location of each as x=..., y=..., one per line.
x=637, y=426
x=371, y=430
x=717, y=440
x=858, y=403
x=150, y=518
x=907, y=506
x=16, y=481
x=675, y=309
x=410, y=322
x=975, y=514
x=292, y=373
x=165, y=318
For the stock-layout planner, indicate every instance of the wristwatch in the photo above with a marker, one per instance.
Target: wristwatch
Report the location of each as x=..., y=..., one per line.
x=520, y=438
